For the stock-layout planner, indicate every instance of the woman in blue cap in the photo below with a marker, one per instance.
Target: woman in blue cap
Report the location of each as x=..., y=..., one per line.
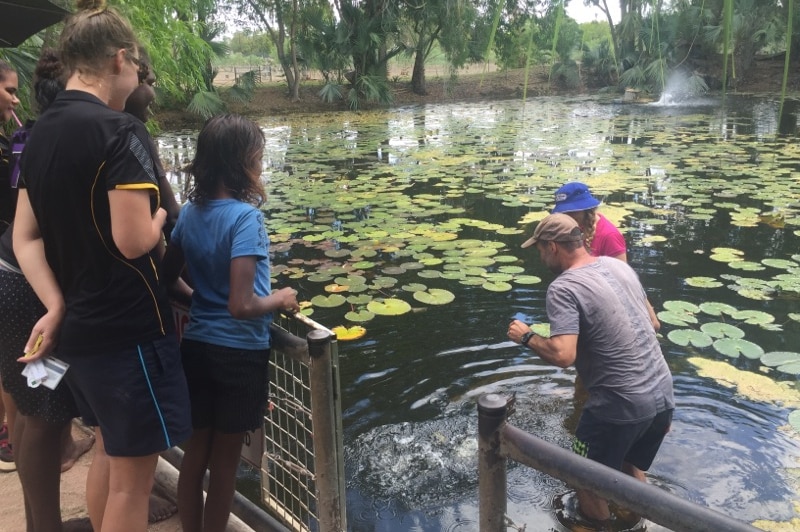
x=601, y=236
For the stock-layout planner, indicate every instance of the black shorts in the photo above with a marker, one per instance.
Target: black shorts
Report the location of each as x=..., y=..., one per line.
x=138, y=396
x=20, y=309
x=228, y=387
x=612, y=444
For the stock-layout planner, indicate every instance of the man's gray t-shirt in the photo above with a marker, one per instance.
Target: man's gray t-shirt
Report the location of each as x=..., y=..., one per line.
x=619, y=357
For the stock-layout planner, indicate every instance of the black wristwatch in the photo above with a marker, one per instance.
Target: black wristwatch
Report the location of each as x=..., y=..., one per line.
x=526, y=338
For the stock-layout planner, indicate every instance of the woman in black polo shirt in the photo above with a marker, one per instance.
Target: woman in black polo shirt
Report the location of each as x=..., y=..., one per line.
x=88, y=220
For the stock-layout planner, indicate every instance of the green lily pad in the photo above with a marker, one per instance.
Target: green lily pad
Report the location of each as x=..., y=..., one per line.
x=360, y=299
x=746, y=265
x=779, y=358
x=364, y=265
x=790, y=369
x=337, y=253
x=733, y=347
x=389, y=307
x=753, y=317
x=414, y=287
x=717, y=329
x=715, y=308
x=676, y=318
x=359, y=316
x=384, y=282
x=434, y=296
x=532, y=279
x=782, y=264
x=497, y=286
x=333, y=300
x=320, y=278
x=703, y=282
x=681, y=306
x=794, y=420
x=685, y=337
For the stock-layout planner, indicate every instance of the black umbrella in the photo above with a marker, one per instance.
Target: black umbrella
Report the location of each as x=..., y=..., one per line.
x=19, y=19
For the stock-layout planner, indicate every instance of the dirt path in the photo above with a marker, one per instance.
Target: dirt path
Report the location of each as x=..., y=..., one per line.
x=73, y=497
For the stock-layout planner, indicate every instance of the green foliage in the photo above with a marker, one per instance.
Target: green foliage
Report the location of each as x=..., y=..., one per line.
x=252, y=44
x=595, y=34
x=566, y=74
x=371, y=89
x=634, y=77
x=206, y=104
x=599, y=65
x=330, y=92
x=177, y=35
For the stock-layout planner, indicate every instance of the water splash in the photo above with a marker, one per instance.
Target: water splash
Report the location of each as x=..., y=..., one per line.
x=683, y=90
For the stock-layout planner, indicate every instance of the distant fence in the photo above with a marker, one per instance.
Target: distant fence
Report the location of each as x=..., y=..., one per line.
x=269, y=73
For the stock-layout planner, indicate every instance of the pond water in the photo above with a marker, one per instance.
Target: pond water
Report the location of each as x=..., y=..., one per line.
x=379, y=219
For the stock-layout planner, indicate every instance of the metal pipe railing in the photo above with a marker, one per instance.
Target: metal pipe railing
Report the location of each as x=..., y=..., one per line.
x=327, y=453
x=498, y=440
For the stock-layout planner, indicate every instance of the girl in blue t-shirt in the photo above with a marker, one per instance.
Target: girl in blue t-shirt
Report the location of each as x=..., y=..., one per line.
x=225, y=348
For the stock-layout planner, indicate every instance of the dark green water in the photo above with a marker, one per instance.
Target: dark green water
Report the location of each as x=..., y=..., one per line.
x=373, y=193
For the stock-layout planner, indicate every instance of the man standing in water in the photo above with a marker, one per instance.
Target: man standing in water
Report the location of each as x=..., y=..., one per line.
x=601, y=322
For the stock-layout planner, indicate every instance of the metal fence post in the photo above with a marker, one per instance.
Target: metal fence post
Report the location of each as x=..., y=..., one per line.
x=492, y=412
x=329, y=468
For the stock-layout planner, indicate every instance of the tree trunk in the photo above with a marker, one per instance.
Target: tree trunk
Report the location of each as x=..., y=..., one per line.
x=418, y=85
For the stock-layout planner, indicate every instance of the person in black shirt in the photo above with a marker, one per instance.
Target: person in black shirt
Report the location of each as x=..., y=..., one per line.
x=88, y=220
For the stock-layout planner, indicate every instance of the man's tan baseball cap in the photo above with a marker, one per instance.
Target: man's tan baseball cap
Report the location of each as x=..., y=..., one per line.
x=556, y=228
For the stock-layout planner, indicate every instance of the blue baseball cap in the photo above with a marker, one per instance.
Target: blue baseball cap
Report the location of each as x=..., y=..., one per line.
x=574, y=197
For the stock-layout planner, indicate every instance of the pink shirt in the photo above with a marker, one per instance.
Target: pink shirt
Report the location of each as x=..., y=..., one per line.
x=608, y=241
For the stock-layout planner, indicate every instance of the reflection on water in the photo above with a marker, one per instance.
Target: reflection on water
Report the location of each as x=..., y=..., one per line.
x=686, y=179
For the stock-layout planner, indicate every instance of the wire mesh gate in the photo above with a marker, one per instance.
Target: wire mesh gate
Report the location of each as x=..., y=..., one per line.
x=302, y=464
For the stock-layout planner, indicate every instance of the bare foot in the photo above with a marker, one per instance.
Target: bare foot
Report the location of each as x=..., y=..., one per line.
x=74, y=450
x=78, y=524
x=159, y=509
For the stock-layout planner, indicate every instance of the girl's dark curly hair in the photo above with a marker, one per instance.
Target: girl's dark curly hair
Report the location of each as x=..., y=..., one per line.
x=48, y=78
x=228, y=154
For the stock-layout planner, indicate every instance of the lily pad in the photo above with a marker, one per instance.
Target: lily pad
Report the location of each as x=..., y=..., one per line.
x=497, y=287
x=345, y=334
x=529, y=279
x=389, y=307
x=753, y=317
x=676, y=318
x=703, y=282
x=794, y=420
x=333, y=300
x=685, y=337
x=434, y=296
x=681, y=306
x=717, y=329
x=782, y=264
x=715, y=308
x=733, y=347
x=779, y=358
x=359, y=299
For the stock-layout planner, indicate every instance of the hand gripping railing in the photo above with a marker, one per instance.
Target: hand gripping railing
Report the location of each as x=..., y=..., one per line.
x=498, y=440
